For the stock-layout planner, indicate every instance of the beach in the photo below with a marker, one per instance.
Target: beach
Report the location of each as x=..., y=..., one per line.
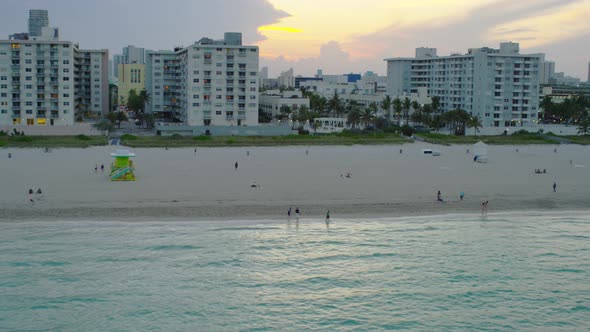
x=177, y=184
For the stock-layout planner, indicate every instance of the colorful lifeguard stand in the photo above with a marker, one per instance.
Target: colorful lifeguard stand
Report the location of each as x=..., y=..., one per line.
x=122, y=168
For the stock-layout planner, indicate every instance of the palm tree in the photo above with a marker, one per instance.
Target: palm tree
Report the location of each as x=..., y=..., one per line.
x=368, y=115
x=336, y=104
x=397, y=106
x=406, y=104
x=386, y=106
x=144, y=99
x=435, y=104
x=548, y=107
x=354, y=118
x=416, y=106
x=584, y=126
x=475, y=123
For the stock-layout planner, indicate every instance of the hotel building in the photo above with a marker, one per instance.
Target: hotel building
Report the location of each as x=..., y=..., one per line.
x=212, y=82
x=499, y=85
x=48, y=82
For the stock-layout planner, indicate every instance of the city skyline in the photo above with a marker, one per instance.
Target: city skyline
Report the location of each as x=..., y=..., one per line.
x=336, y=36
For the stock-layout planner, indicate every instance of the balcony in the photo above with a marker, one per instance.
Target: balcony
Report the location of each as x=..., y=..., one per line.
x=241, y=115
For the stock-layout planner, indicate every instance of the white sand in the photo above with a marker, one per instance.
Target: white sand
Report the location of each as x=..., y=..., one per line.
x=176, y=184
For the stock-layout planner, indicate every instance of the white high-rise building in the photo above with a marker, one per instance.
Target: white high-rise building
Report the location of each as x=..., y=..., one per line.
x=132, y=54
x=46, y=83
x=547, y=71
x=212, y=82
x=92, y=81
x=38, y=18
x=287, y=79
x=501, y=86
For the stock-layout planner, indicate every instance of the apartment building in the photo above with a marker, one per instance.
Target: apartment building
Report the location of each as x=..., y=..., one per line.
x=209, y=83
x=91, y=81
x=501, y=86
x=131, y=77
x=42, y=82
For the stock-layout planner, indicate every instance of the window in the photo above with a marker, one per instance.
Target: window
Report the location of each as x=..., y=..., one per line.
x=217, y=112
x=3, y=78
x=28, y=86
x=66, y=95
x=66, y=78
x=66, y=70
x=3, y=86
x=28, y=61
x=29, y=111
x=195, y=80
x=28, y=70
x=66, y=103
x=66, y=62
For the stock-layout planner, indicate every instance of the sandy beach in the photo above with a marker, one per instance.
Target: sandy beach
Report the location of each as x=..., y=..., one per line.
x=176, y=184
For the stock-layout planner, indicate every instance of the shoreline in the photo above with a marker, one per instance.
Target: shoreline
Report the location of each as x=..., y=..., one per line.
x=207, y=212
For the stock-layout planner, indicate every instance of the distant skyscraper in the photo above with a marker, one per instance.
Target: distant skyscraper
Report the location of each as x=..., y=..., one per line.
x=547, y=71
x=264, y=73
x=38, y=18
x=132, y=54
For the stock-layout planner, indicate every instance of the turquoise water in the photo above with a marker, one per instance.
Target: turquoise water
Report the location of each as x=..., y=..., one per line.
x=504, y=272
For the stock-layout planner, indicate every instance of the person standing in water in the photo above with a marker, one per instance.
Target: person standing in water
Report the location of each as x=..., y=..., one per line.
x=328, y=217
x=554, y=186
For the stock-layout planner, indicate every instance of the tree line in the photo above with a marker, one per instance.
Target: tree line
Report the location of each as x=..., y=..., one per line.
x=386, y=115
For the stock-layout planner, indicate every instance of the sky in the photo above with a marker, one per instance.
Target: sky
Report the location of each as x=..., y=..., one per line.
x=337, y=36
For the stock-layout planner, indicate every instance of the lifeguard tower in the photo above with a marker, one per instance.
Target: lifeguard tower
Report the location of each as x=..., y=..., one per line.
x=122, y=168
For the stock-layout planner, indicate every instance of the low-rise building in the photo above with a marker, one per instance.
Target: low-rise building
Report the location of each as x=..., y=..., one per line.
x=272, y=101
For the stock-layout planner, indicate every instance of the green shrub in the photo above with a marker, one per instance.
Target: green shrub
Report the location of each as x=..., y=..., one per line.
x=202, y=138
x=176, y=136
x=24, y=139
x=83, y=138
x=2, y=143
x=129, y=137
x=3, y=133
x=407, y=130
x=230, y=141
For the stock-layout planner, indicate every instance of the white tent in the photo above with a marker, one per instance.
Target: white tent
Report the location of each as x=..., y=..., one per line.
x=480, y=152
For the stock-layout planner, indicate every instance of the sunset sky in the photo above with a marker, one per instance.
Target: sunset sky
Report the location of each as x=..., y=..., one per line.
x=337, y=36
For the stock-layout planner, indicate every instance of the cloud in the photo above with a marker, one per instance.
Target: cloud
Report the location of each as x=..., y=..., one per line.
x=533, y=23
x=152, y=24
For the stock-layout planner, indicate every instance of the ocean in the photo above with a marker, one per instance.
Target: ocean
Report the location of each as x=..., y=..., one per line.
x=502, y=272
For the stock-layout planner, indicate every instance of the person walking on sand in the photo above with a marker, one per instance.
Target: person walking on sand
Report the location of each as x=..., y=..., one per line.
x=30, y=196
x=289, y=212
x=297, y=211
x=554, y=186
x=328, y=217
x=195, y=151
x=461, y=195
x=102, y=168
x=236, y=166
x=439, y=196
x=96, y=168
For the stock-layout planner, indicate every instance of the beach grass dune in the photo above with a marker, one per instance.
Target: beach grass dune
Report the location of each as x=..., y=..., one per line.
x=178, y=184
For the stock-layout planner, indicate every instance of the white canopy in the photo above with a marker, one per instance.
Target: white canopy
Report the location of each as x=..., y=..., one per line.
x=480, y=149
